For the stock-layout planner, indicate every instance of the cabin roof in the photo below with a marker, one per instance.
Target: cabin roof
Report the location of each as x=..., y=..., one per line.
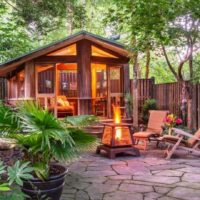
x=108, y=43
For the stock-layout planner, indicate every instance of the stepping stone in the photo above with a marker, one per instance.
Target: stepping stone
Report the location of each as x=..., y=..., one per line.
x=185, y=193
x=120, y=195
x=81, y=195
x=135, y=188
x=157, y=179
x=191, y=177
x=120, y=177
x=151, y=196
x=168, y=173
x=162, y=190
x=97, y=190
x=98, y=174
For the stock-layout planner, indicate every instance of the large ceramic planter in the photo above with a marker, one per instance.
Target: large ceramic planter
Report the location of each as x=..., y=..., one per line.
x=49, y=189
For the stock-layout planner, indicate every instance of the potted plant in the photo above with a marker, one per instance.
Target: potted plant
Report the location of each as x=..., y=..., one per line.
x=45, y=140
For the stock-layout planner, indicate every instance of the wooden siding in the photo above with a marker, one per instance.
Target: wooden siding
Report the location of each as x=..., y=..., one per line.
x=3, y=86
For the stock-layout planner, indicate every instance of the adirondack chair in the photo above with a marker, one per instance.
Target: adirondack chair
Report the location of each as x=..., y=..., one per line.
x=192, y=145
x=154, y=127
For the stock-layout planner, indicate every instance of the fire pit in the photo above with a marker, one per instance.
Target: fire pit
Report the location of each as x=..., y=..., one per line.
x=117, y=138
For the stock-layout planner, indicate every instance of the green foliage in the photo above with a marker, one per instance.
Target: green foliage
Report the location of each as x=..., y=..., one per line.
x=9, y=122
x=84, y=141
x=14, y=40
x=18, y=172
x=129, y=104
x=149, y=104
x=81, y=120
x=15, y=175
x=43, y=138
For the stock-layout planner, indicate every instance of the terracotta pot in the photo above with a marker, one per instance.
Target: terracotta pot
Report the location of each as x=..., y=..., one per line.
x=50, y=188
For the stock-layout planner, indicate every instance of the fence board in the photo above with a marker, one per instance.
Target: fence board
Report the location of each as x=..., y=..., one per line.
x=169, y=96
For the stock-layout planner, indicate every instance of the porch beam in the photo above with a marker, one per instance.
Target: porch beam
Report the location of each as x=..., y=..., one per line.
x=110, y=61
x=56, y=59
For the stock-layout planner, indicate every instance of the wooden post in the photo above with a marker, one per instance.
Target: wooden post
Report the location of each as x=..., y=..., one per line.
x=29, y=83
x=108, y=96
x=193, y=107
x=84, y=76
x=126, y=78
x=135, y=91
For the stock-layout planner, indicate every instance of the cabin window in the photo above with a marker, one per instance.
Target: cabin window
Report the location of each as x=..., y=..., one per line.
x=45, y=79
x=21, y=84
x=100, y=53
x=67, y=73
x=115, y=80
x=16, y=89
x=66, y=51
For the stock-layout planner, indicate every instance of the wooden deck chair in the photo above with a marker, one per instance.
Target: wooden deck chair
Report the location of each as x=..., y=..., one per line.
x=192, y=145
x=154, y=127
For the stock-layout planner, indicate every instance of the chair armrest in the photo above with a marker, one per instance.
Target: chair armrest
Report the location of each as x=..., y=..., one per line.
x=181, y=132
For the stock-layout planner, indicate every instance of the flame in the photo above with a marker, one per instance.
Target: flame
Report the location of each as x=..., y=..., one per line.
x=117, y=114
x=117, y=120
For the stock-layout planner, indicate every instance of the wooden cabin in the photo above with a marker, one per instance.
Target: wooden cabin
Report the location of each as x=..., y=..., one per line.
x=82, y=74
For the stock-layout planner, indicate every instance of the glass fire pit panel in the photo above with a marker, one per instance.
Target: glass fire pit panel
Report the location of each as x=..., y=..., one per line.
x=107, y=135
x=122, y=136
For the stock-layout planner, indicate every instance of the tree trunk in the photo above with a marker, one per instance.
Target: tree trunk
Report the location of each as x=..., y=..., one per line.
x=135, y=90
x=191, y=66
x=147, y=63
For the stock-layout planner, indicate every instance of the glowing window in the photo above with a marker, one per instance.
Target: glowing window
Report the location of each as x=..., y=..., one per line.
x=98, y=52
x=66, y=51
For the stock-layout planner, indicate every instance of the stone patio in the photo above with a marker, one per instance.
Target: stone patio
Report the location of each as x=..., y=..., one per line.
x=149, y=177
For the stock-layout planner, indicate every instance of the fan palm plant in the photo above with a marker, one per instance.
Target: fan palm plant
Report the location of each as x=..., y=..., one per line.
x=43, y=137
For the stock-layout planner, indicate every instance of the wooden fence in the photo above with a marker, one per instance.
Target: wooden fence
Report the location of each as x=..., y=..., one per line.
x=169, y=97
x=2, y=88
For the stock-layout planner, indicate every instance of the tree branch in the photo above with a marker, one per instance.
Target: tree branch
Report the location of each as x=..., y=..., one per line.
x=168, y=63
x=7, y=2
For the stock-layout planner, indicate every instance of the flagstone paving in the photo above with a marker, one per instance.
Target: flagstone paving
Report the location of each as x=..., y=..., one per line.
x=148, y=177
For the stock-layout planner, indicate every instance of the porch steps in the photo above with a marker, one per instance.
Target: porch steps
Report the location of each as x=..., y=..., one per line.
x=95, y=129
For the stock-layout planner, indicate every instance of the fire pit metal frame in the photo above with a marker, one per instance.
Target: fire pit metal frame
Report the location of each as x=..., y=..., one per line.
x=113, y=149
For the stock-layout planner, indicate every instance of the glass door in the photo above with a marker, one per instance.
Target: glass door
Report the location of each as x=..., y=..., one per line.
x=115, y=88
x=99, y=89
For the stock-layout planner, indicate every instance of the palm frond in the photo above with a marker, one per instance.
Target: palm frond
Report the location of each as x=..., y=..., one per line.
x=81, y=120
x=9, y=121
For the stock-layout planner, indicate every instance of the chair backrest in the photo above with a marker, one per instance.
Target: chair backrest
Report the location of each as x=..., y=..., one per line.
x=156, y=120
x=192, y=141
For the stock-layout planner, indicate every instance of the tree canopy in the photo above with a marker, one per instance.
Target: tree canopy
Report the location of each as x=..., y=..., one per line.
x=162, y=36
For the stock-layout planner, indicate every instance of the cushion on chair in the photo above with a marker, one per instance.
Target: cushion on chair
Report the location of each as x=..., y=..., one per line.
x=143, y=134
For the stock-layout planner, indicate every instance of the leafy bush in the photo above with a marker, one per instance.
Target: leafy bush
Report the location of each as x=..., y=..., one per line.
x=129, y=104
x=150, y=104
x=81, y=120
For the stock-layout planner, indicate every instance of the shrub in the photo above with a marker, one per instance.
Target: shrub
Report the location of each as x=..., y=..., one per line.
x=149, y=104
